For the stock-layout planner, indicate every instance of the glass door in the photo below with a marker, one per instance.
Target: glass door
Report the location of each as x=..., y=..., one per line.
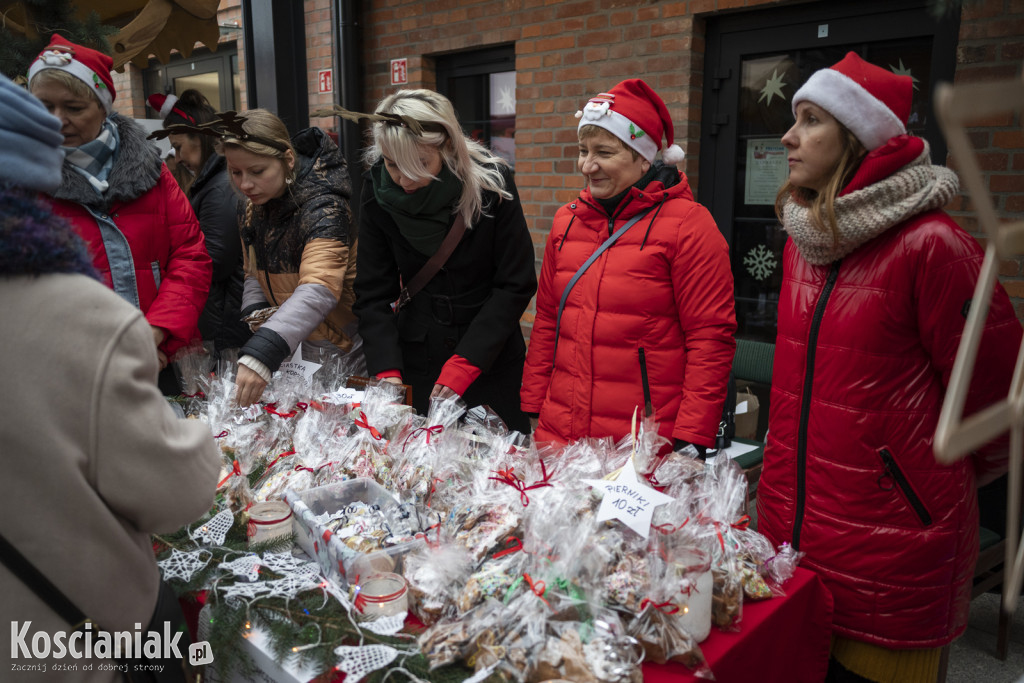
x=755, y=65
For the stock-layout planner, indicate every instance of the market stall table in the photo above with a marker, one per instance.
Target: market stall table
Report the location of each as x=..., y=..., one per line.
x=784, y=639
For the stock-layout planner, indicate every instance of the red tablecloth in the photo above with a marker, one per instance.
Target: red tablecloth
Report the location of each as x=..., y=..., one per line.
x=784, y=639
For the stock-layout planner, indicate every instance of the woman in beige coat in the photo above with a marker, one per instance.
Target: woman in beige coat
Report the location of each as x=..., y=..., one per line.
x=94, y=459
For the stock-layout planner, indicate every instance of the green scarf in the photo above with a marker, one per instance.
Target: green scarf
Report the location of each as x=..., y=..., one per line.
x=424, y=215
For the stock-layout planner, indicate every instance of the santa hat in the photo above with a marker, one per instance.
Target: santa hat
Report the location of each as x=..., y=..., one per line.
x=872, y=102
x=89, y=66
x=633, y=112
x=164, y=105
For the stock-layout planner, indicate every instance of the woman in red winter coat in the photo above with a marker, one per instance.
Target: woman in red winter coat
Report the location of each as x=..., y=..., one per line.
x=118, y=195
x=649, y=321
x=876, y=287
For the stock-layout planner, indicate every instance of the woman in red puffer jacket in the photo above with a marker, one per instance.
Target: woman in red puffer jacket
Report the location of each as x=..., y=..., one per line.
x=876, y=287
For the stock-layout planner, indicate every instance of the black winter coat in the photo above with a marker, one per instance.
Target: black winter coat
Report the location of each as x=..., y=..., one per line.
x=216, y=207
x=471, y=308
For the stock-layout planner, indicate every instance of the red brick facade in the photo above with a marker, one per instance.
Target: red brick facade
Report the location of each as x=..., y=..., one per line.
x=566, y=51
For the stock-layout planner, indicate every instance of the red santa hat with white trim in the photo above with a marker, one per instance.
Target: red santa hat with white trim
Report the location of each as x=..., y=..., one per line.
x=92, y=67
x=635, y=114
x=872, y=102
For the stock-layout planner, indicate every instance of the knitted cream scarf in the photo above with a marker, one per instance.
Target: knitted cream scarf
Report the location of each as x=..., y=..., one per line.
x=865, y=214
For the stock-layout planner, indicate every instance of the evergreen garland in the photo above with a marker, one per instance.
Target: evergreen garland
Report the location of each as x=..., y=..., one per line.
x=308, y=619
x=44, y=18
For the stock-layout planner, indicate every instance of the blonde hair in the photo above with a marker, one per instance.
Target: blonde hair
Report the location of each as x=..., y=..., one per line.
x=75, y=85
x=262, y=124
x=822, y=205
x=473, y=164
x=591, y=131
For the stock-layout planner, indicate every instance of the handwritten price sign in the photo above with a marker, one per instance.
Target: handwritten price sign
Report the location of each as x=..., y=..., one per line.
x=628, y=500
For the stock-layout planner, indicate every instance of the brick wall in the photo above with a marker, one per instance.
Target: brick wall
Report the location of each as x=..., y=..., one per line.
x=566, y=51
x=319, y=56
x=991, y=47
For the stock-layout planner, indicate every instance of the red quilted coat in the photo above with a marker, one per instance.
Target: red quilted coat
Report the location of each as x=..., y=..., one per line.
x=864, y=353
x=664, y=290
x=170, y=268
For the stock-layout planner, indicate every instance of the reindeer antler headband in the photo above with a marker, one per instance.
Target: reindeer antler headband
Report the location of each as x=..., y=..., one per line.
x=227, y=127
x=415, y=126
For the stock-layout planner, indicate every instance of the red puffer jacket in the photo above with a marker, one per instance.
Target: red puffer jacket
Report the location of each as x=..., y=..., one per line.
x=864, y=354
x=663, y=290
x=171, y=270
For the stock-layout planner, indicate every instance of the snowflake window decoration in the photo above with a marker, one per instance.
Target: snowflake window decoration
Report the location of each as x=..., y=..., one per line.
x=760, y=262
x=214, y=530
x=183, y=565
x=357, y=662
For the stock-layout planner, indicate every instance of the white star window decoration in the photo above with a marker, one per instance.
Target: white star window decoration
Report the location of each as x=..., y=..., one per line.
x=904, y=71
x=772, y=87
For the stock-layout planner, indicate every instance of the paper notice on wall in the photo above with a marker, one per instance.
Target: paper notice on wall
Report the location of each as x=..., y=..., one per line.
x=766, y=171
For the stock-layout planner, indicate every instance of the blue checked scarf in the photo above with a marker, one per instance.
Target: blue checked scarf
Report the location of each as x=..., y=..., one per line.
x=95, y=159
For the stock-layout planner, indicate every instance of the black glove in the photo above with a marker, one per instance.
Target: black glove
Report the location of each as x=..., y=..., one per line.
x=679, y=445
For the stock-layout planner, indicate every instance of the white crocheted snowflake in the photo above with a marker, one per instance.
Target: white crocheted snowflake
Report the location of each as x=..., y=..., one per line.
x=290, y=586
x=213, y=531
x=246, y=567
x=282, y=563
x=357, y=662
x=183, y=565
x=248, y=591
x=386, y=626
x=760, y=262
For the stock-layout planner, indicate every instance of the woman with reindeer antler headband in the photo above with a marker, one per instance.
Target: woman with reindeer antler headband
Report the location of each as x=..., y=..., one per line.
x=434, y=196
x=119, y=196
x=299, y=246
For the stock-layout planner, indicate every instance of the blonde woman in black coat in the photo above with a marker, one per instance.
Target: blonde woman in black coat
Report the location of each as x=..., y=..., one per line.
x=460, y=334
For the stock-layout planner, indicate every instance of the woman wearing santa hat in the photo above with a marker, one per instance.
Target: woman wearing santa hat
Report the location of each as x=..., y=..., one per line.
x=216, y=206
x=635, y=299
x=876, y=287
x=119, y=196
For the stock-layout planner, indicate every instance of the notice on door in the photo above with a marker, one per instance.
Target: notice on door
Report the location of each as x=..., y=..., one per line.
x=767, y=170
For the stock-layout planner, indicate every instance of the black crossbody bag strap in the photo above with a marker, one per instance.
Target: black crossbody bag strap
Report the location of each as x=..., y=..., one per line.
x=589, y=262
x=433, y=264
x=40, y=585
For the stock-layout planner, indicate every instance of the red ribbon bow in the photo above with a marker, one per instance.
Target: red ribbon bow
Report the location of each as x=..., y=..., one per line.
x=513, y=544
x=509, y=477
x=365, y=424
x=272, y=409
x=290, y=451
x=221, y=435
x=235, y=470
x=538, y=588
x=670, y=529
x=435, y=430
x=664, y=607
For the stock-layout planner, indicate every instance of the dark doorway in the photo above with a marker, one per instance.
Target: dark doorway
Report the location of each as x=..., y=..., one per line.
x=754, y=63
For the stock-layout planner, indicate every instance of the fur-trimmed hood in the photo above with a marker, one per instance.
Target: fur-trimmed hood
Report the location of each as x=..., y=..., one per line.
x=136, y=170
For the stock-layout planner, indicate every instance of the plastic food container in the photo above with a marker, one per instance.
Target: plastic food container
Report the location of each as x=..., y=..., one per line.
x=337, y=560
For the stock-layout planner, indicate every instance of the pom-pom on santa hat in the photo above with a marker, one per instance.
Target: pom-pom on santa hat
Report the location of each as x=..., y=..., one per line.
x=872, y=102
x=89, y=66
x=165, y=106
x=633, y=112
